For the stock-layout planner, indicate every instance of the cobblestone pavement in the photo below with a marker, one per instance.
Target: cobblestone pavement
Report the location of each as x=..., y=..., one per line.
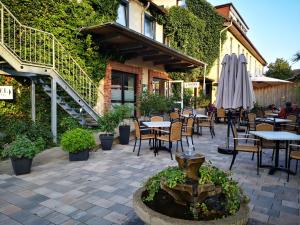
x=99, y=191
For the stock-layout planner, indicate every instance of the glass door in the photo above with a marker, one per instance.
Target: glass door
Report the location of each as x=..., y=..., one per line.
x=123, y=88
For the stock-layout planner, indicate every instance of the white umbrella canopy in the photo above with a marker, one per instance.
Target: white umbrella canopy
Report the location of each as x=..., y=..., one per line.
x=222, y=89
x=243, y=95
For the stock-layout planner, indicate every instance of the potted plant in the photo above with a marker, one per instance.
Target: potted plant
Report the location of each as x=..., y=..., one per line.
x=124, y=111
x=78, y=142
x=108, y=122
x=21, y=152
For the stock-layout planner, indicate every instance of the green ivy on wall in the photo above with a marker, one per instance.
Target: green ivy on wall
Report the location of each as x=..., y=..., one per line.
x=195, y=30
x=63, y=18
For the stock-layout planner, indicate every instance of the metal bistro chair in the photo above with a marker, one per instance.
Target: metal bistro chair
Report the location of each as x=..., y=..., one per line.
x=174, y=116
x=209, y=122
x=188, y=131
x=245, y=148
x=174, y=134
x=293, y=126
x=140, y=136
x=294, y=153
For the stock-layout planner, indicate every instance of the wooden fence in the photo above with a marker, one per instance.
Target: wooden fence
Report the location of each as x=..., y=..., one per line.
x=278, y=94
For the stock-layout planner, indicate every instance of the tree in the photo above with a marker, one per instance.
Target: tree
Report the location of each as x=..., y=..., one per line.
x=279, y=69
x=296, y=57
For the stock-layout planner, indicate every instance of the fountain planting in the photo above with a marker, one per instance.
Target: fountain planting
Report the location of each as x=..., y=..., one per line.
x=191, y=193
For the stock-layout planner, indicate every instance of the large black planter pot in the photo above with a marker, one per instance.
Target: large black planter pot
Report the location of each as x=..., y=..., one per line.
x=106, y=141
x=21, y=166
x=124, y=132
x=79, y=156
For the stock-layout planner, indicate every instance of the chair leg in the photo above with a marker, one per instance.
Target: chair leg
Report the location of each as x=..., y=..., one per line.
x=273, y=154
x=176, y=146
x=139, y=147
x=193, y=142
x=211, y=133
x=134, y=144
x=289, y=167
x=181, y=145
x=170, y=149
x=252, y=156
x=187, y=141
x=233, y=159
x=286, y=158
x=257, y=163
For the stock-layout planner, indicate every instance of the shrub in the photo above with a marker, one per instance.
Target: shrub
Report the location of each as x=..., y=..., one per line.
x=77, y=140
x=124, y=111
x=109, y=121
x=23, y=147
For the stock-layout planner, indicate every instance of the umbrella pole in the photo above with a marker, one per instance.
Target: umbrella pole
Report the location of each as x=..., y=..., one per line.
x=227, y=149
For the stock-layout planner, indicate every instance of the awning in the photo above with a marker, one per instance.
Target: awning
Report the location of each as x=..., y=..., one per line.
x=263, y=81
x=130, y=44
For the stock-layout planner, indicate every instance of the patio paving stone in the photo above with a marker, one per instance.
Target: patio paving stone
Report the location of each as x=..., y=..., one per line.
x=99, y=191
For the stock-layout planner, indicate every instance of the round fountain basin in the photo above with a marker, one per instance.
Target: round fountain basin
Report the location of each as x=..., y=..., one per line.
x=151, y=217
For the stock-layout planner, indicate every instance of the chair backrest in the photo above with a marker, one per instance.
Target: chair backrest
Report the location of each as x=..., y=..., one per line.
x=221, y=112
x=190, y=125
x=156, y=119
x=175, y=131
x=174, y=116
x=293, y=118
x=251, y=117
x=264, y=127
x=187, y=112
x=137, y=129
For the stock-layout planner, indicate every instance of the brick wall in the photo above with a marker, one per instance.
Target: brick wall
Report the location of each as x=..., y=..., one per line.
x=112, y=65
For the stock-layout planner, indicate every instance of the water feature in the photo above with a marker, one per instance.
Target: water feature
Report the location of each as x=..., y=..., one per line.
x=190, y=200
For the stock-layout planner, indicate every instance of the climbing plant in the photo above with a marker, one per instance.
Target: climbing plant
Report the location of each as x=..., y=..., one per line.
x=197, y=35
x=63, y=18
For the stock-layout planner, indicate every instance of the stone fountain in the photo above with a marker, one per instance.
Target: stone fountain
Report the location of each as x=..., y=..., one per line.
x=189, y=194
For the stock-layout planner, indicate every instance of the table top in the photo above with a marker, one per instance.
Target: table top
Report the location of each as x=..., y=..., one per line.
x=271, y=119
x=198, y=115
x=276, y=135
x=271, y=114
x=157, y=124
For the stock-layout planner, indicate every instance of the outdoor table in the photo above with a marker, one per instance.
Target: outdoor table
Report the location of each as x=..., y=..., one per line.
x=158, y=124
x=272, y=114
x=277, y=136
x=198, y=115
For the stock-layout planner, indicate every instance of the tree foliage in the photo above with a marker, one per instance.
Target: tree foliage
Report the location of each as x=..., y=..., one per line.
x=279, y=69
x=296, y=57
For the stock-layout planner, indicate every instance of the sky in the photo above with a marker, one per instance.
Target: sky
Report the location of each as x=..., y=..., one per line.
x=274, y=26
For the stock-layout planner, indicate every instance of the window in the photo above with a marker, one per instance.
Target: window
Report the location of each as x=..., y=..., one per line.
x=123, y=88
x=123, y=14
x=149, y=26
x=158, y=86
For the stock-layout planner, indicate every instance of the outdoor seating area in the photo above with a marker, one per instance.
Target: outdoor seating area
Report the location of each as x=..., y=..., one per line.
x=99, y=191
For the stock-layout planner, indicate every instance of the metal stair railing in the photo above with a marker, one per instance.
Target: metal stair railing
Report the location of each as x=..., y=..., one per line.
x=35, y=47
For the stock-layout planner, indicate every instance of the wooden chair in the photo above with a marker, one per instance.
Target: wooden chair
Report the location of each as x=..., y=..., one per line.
x=139, y=136
x=293, y=126
x=156, y=119
x=174, y=116
x=188, y=131
x=266, y=143
x=245, y=148
x=294, y=153
x=174, y=134
x=209, y=122
x=221, y=114
x=251, y=123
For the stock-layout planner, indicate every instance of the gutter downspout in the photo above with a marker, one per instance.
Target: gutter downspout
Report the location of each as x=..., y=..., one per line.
x=142, y=17
x=220, y=50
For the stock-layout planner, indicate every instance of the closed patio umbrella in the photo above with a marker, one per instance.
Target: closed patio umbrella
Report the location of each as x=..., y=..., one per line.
x=243, y=95
x=222, y=89
x=235, y=91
